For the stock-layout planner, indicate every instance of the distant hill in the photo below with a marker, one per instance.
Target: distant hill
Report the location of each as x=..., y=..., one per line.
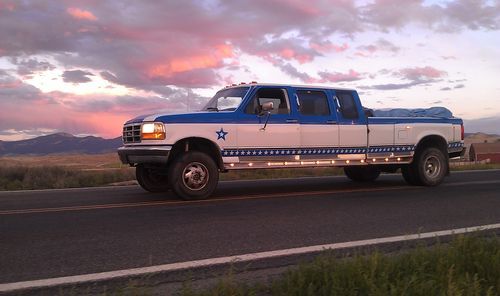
x=481, y=138
x=60, y=143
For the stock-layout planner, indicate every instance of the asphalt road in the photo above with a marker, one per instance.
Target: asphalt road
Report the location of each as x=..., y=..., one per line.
x=45, y=234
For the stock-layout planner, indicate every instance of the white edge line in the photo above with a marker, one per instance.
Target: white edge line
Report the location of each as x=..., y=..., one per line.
x=10, y=287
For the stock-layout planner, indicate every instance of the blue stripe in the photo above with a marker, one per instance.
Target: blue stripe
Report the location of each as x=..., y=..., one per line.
x=455, y=145
x=315, y=151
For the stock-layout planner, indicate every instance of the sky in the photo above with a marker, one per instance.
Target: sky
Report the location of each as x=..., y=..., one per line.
x=85, y=67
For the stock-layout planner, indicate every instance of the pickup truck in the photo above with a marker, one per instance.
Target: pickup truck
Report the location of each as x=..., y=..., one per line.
x=265, y=126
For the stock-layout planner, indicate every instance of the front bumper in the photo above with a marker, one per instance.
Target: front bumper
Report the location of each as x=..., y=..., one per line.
x=144, y=154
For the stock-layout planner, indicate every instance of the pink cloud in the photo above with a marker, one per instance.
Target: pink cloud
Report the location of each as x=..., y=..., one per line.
x=81, y=14
x=8, y=6
x=351, y=75
x=421, y=73
x=326, y=47
x=187, y=63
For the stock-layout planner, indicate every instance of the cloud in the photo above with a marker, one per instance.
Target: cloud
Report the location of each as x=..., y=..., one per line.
x=293, y=72
x=166, y=48
x=29, y=66
x=351, y=75
x=76, y=76
x=381, y=45
x=410, y=77
x=447, y=17
x=394, y=86
x=81, y=14
x=418, y=73
x=324, y=76
x=82, y=114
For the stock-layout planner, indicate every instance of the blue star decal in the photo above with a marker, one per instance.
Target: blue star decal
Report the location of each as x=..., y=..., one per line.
x=221, y=134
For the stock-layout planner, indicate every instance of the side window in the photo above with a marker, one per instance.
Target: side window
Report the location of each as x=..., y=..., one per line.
x=313, y=103
x=276, y=95
x=347, y=105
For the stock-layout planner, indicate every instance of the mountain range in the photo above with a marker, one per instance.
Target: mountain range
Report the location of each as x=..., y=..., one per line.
x=60, y=143
x=64, y=143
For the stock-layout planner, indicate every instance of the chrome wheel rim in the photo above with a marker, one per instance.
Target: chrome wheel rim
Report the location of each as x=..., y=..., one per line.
x=432, y=167
x=195, y=176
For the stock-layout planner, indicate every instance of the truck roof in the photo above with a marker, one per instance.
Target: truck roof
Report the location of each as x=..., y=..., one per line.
x=287, y=85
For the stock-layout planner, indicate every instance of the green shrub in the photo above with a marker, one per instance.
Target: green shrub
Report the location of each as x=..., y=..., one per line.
x=469, y=265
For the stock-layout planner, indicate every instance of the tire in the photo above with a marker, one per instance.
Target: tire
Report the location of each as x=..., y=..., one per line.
x=194, y=176
x=429, y=167
x=409, y=175
x=152, y=179
x=362, y=174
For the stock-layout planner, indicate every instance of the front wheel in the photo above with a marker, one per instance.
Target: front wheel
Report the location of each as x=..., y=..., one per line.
x=194, y=176
x=152, y=179
x=362, y=173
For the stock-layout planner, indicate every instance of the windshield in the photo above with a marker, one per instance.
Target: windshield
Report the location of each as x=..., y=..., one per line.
x=226, y=100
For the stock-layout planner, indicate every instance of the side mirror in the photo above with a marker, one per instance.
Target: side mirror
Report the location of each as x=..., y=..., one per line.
x=266, y=107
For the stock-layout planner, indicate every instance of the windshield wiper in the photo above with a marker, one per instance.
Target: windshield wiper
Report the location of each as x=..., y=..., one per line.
x=212, y=109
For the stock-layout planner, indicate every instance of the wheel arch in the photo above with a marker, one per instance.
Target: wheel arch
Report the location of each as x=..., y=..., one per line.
x=197, y=144
x=436, y=141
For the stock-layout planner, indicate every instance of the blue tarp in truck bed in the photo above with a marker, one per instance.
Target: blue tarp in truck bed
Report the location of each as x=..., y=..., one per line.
x=439, y=112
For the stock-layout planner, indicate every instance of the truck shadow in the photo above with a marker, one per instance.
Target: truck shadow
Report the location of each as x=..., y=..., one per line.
x=235, y=189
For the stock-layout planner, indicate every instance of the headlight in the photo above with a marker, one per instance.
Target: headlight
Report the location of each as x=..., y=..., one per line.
x=153, y=131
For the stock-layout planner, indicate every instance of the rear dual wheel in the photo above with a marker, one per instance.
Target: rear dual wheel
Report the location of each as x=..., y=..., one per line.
x=362, y=173
x=428, y=168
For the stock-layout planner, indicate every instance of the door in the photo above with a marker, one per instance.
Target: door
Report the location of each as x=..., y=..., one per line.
x=281, y=133
x=353, y=131
x=318, y=123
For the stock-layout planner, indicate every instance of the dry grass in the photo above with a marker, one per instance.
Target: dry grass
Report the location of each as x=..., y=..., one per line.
x=75, y=161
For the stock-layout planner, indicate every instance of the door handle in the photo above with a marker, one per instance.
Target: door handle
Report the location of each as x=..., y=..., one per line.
x=292, y=121
x=331, y=121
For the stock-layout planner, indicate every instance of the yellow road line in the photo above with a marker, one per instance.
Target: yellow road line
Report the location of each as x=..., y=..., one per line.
x=232, y=198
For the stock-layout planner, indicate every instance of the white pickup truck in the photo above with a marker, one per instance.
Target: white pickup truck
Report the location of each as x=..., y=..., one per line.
x=264, y=126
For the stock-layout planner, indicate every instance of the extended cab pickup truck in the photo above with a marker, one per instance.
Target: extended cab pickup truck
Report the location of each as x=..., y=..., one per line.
x=265, y=126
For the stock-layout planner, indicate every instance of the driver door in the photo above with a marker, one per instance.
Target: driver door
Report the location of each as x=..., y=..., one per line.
x=281, y=131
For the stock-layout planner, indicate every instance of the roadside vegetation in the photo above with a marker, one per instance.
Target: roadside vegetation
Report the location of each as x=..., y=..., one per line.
x=73, y=170
x=52, y=177
x=469, y=265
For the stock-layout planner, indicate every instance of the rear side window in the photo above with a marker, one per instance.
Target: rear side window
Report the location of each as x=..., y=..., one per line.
x=347, y=105
x=313, y=103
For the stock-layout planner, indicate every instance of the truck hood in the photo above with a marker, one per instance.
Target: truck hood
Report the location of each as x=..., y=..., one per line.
x=191, y=117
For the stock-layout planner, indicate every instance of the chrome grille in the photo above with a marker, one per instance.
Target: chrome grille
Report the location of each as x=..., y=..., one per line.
x=132, y=133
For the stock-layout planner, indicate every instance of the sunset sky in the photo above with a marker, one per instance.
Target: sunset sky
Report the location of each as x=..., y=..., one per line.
x=84, y=67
